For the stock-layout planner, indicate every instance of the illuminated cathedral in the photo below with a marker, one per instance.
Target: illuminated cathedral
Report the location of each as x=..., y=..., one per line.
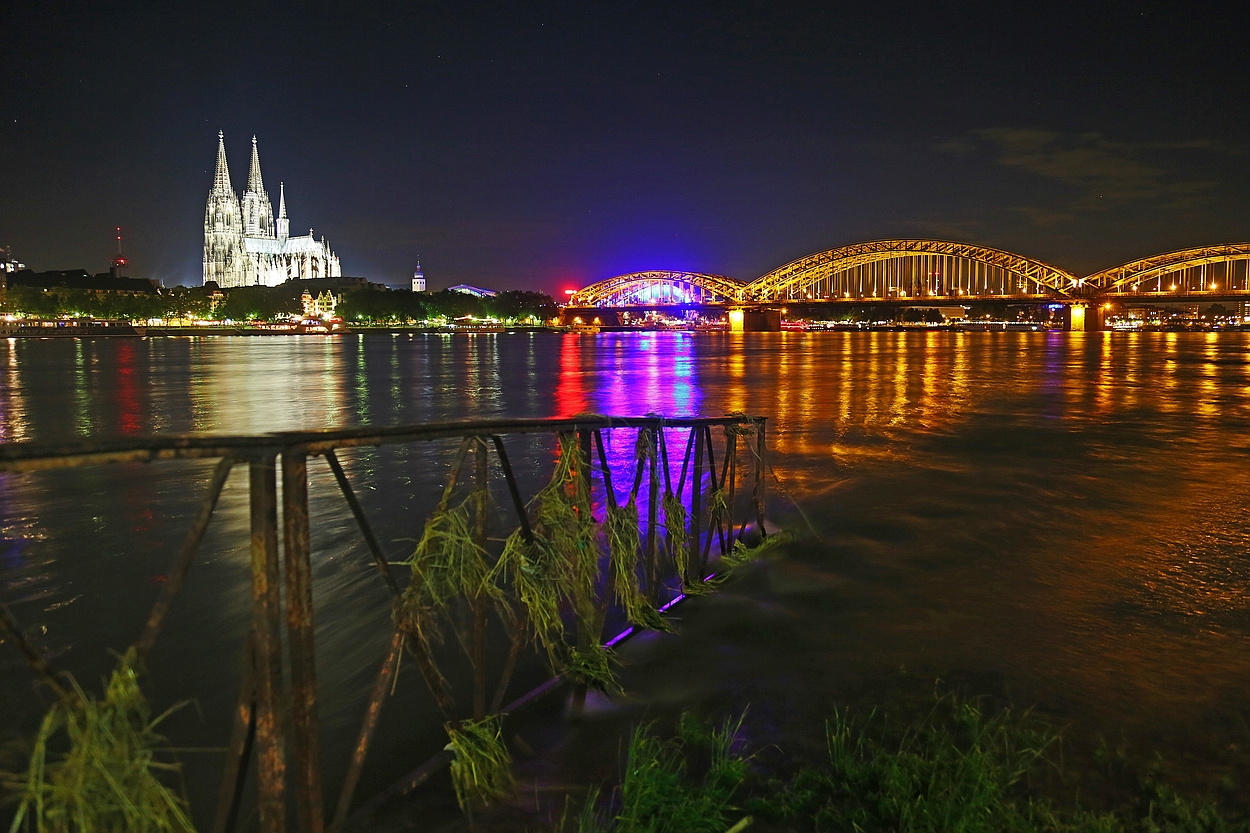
x=245, y=245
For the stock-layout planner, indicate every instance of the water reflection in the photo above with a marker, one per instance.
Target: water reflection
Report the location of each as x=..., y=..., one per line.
x=570, y=395
x=1064, y=511
x=13, y=407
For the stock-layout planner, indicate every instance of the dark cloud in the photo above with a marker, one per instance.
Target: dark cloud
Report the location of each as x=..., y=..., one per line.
x=1103, y=174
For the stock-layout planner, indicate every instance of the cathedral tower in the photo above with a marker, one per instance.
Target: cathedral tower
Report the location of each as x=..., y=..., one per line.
x=223, y=230
x=257, y=210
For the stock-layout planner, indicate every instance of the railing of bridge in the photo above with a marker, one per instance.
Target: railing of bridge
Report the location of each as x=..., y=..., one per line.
x=589, y=549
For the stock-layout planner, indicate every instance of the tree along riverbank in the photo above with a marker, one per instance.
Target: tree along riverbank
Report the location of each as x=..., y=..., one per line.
x=256, y=304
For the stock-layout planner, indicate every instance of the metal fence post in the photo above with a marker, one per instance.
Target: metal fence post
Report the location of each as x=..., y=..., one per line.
x=266, y=602
x=477, y=604
x=761, y=475
x=696, y=507
x=653, y=505
x=305, y=735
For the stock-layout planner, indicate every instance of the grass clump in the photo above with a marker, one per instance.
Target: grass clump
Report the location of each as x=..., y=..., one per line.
x=446, y=564
x=684, y=784
x=481, y=767
x=592, y=665
x=959, y=770
x=560, y=570
x=692, y=584
x=741, y=555
x=565, y=553
x=537, y=573
x=623, y=545
x=108, y=778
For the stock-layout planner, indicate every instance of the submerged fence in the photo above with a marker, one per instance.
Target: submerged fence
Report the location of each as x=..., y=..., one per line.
x=590, y=549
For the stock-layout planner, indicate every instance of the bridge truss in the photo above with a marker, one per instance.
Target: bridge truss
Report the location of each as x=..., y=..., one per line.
x=1202, y=269
x=909, y=269
x=660, y=289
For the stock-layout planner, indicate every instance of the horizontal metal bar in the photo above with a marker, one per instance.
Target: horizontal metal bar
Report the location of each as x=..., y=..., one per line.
x=35, y=456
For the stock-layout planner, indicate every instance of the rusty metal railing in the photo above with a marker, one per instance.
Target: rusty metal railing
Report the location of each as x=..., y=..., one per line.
x=262, y=727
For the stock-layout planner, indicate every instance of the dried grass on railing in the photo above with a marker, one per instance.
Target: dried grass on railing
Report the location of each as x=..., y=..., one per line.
x=624, y=545
x=446, y=565
x=675, y=533
x=481, y=768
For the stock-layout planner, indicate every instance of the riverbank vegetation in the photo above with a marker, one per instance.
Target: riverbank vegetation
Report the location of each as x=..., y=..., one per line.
x=274, y=303
x=953, y=767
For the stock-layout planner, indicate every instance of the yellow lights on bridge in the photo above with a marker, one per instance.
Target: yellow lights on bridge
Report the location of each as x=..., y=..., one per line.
x=1157, y=266
x=909, y=270
x=736, y=319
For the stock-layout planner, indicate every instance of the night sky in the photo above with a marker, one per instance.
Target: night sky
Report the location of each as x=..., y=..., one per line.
x=544, y=146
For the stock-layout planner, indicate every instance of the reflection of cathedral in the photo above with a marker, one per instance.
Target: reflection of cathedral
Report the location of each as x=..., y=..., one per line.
x=245, y=245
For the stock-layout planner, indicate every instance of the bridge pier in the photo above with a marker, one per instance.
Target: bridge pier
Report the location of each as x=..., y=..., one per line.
x=761, y=321
x=1079, y=318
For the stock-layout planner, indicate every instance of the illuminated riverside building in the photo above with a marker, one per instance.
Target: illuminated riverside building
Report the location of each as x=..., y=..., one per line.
x=245, y=245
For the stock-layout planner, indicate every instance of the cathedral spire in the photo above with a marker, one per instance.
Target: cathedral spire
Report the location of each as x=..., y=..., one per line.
x=221, y=179
x=254, y=181
x=284, y=225
x=223, y=230
x=257, y=212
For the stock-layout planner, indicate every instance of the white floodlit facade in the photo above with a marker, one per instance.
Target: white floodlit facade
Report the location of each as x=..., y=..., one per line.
x=245, y=245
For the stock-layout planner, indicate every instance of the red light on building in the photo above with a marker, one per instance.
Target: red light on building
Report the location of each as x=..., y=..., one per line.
x=119, y=261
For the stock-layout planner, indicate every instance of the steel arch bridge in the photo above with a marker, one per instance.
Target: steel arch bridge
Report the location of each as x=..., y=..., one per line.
x=660, y=289
x=912, y=269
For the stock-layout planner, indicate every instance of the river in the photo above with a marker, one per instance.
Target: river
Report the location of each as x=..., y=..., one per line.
x=1062, y=517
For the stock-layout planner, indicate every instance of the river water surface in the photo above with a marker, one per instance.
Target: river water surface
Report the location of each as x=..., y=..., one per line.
x=1062, y=516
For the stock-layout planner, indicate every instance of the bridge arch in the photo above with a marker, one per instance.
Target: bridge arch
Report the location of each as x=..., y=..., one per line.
x=913, y=269
x=1184, y=270
x=661, y=288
